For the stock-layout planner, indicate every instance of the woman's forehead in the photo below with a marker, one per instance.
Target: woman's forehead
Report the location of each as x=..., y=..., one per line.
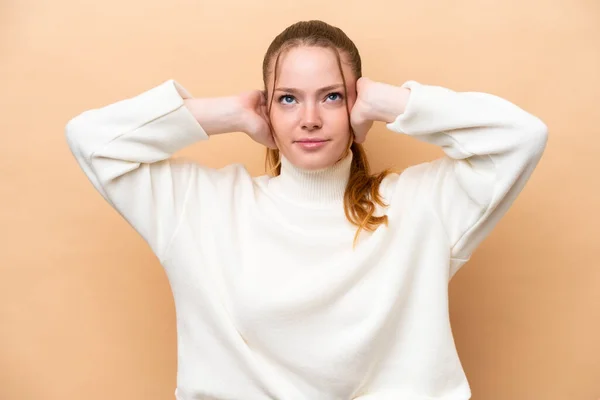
x=311, y=68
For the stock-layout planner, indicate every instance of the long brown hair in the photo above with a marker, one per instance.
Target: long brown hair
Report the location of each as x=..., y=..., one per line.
x=362, y=191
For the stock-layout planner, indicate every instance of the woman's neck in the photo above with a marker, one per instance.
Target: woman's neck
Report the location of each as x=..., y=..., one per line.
x=312, y=187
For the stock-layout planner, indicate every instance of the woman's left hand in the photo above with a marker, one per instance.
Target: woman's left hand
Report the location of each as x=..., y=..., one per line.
x=360, y=119
x=375, y=101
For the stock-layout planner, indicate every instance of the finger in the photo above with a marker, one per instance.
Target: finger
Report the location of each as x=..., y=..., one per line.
x=359, y=137
x=357, y=131
x=264, y=111
x=268, y=134
x=272, y=144
x=265, y=116
x=263, y=98
x=270, y=140
x=360, y=131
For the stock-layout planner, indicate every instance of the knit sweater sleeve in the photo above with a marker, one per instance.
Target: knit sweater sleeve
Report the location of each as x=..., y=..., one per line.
x=125, y=150
x=491, y=148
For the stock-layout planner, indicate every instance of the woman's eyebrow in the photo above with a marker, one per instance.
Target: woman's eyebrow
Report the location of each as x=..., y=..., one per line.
x=323, y=89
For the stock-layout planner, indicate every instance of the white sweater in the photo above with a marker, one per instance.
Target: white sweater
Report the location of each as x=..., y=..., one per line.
x=271, y=300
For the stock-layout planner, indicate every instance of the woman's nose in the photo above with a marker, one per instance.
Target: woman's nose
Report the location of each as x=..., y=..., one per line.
x=311, y=119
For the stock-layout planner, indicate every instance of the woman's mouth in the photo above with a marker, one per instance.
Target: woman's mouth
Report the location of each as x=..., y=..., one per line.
x=312, y=144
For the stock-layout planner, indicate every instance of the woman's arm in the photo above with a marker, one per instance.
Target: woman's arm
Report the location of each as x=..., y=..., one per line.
x=124, y=149
x=492, y=147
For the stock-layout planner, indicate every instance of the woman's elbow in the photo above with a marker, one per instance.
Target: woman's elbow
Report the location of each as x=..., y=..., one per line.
x=535, y=133
x=76, y=131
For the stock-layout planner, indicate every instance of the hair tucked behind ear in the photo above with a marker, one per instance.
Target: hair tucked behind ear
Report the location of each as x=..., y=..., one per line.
x=362, y=191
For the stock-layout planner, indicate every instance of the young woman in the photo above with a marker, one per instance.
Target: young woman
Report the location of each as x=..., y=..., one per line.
x=317, y=280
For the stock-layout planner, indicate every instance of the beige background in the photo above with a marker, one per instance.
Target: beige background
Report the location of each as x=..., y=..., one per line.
x=85, y=309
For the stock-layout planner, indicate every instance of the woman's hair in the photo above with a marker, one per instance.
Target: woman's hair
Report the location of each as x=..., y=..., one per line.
x=362, y=190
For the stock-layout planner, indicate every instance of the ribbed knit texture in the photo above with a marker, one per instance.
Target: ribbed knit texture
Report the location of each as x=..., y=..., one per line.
x=272, y=301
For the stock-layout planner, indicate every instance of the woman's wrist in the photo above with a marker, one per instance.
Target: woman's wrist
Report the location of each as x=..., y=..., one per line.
x=216, y=115
x=386, y=102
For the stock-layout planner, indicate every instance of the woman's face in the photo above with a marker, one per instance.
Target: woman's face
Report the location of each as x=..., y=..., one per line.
x=308, y=112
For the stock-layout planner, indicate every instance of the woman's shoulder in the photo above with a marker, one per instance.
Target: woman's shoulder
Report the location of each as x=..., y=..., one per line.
x=407, y=182
x=225, y=178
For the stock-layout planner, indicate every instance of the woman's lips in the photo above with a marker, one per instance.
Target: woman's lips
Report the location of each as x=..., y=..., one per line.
x=312, y=144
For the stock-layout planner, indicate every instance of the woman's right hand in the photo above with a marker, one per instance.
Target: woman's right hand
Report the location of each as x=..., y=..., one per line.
x=255, y=122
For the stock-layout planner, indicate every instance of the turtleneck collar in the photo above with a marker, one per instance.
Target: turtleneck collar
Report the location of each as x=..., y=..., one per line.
x=312, y=187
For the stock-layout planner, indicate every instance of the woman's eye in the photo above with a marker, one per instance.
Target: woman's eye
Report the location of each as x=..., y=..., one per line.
x=289, y=99
x=334, y=96
x=286, y=99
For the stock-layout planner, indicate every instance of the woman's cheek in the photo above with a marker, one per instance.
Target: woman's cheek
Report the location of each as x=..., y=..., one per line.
x=281, y=125
x=341, y=118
